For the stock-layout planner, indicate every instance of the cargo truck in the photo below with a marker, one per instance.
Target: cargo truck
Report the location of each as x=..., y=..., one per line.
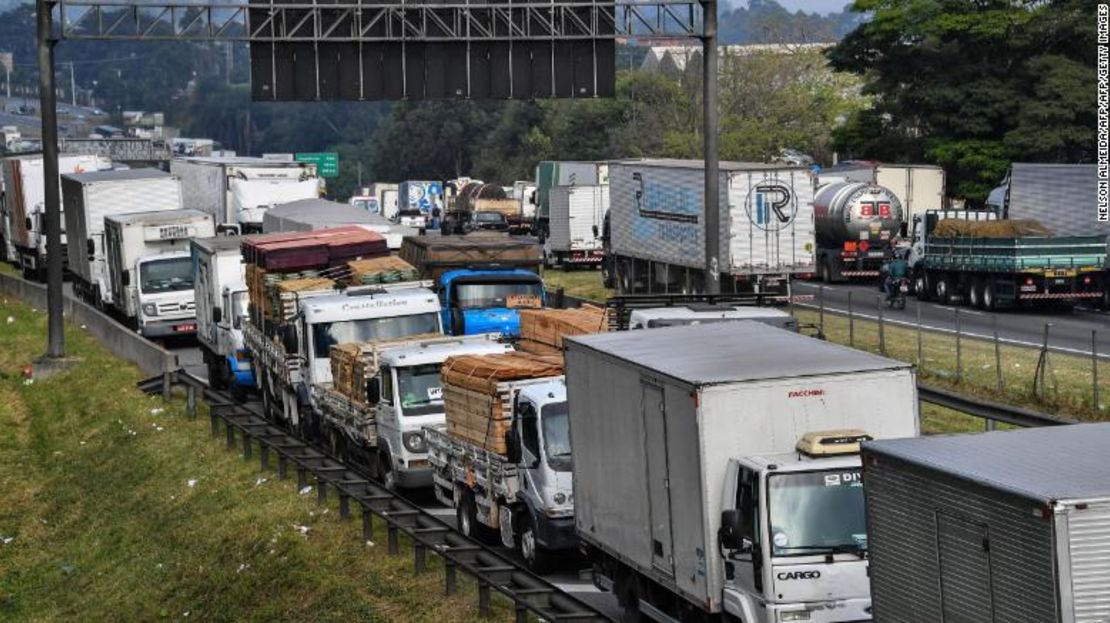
x=220, y=291
x=858, y=223
x=481, y=279
x=919, y=187
x=575, y=218
x=1060, y=196
x=554, y=173
x=383, y=426
x=656, y=236
x=314, y=214
x=1000, y=272
x=1001, y=526
x=421, y=196
x=150, y=269
x=88, y=198
x=523, y=495
x=238, y=190
x=716, y=469
x=23, y=208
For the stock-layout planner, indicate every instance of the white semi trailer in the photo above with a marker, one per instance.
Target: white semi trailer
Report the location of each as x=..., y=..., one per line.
x=716, y=469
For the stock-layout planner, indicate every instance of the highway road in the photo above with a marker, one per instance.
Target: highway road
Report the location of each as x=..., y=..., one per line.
x=1070, y=331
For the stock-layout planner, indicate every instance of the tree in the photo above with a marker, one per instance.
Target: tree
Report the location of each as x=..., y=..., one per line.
x=972, y=85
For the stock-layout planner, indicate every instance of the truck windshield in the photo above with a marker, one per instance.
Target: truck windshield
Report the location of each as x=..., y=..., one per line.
x=817, y=513
x=327, y=334
x=489, y=217
x=168, y=275
x=419, y=389
x=556, y=436
x=239, y=302
x=505, y=294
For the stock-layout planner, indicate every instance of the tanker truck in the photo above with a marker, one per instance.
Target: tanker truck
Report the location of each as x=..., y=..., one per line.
x=855, y=222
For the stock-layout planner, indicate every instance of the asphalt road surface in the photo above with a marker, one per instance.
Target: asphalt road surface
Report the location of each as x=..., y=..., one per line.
x=1070, y=332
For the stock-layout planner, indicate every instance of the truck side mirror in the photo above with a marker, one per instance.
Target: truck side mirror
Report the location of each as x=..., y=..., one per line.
x=374, y=390
x=29, y=223
x=730, y=532
x=126, y=278
x=217, y=315
x=90, y=247
x=512, y=445
x=595, y=231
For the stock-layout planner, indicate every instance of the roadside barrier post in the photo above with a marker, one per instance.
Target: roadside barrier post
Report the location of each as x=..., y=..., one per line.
x=882, y=332
x=167, y=385
x=449, y=581
x=367, y=524
x=1094, y=370
x=920, y=355
x=191, y=402
x=851, y=323
x=959, y=350
x=821, y=309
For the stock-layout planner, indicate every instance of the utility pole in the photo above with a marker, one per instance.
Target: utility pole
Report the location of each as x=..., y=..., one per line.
x=55, y=348
x=712, y=165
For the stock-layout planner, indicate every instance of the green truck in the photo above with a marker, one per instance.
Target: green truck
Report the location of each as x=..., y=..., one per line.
x=1003, y=272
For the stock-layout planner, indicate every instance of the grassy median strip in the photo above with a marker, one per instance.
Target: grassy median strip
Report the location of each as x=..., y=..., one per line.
x=1065, y=387
x=114, y=505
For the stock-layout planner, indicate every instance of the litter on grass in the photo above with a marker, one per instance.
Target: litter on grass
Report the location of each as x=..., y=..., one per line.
x=192, y=482
x=305, y=490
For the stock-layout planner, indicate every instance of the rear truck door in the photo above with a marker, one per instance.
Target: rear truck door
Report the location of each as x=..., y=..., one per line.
x=659, y=490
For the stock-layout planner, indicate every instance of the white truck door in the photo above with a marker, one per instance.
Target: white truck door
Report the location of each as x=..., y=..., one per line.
x=659, y=493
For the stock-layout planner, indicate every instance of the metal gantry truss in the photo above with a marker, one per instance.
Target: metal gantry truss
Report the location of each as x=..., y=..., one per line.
x=347, y=21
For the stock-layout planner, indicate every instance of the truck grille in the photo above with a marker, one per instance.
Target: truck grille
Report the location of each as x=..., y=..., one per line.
x=176, y=308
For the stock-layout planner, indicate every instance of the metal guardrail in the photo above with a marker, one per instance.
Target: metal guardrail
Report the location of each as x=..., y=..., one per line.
x=986, y=409
x=529, y=593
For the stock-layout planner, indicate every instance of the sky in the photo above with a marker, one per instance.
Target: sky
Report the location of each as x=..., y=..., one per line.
x=815, y=6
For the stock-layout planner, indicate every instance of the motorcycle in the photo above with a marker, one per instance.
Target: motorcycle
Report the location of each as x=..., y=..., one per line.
x=897, y=297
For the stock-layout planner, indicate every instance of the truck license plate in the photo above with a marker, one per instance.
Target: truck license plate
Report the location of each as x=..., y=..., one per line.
x=182, y=328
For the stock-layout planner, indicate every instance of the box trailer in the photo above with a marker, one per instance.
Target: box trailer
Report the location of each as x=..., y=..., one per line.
x=220, y=291
x=576, y=215
x=656, y=235
x=23, y=207
x=238, y=190
x=736, y=431
x=1004, y=526
x=89, y=198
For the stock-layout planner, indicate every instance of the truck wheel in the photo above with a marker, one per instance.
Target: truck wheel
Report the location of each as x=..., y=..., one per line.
x=921, y=287
x=628, y=595
x=975, y=294
x=466, y=515
x=538, y=559
x=386, y=473
x=944, y=290
x=607, y=278
x=990, y=300
x=237, y=391
x=217, y=380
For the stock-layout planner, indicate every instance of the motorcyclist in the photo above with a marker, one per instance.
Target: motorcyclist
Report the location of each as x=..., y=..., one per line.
x=896, y=269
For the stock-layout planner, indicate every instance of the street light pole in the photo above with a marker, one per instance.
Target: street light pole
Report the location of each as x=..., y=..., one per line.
x=712, y=165
x=56, y=335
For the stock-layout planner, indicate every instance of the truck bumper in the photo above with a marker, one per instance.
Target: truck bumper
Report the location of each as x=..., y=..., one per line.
x=166, y=328
x=557, y=533
x=414, y=477
x=840, y=611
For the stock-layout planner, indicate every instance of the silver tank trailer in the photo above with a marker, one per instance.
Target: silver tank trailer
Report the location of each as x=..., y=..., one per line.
x=854, y=211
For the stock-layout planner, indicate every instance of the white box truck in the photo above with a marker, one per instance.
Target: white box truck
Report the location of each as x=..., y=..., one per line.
x=151, y=271
x=238, y=190
x=88, y=198
x=1004, y=526
x=220, y=291
x=655, y=238
x=716, y=468
x=23, y=207
x=575, y=218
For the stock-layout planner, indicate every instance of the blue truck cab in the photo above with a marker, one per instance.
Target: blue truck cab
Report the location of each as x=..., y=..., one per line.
x=487, y=300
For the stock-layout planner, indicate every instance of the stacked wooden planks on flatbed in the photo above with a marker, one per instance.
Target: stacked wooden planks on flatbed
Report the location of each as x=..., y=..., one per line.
x=280, y=265
x=387, y=269
x=478, y=397
x=354, y=363
x=542, y=330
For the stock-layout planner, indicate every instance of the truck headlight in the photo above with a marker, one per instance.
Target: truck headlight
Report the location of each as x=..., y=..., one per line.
x=150, y=309
x=414, y=442
x=797, y=615
x=560, y=498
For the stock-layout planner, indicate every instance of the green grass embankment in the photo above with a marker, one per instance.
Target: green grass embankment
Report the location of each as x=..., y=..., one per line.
x=115, y=506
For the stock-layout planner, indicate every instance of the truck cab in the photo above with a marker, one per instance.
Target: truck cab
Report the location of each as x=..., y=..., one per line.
x=229, y=319
x=408, y=395
x=795, y=536
x=539, y=444
x=164, y=294
x=486, y=300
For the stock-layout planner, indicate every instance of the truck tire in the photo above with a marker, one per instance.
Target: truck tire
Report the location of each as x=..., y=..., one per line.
x=237, y=391
x=386, y=473
x=626, y=587
x=537, y=557
x=990, y=297
x=944, y=290
x=466, y=515
x=975, y=294
x=217, y=378
x=922, y=286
